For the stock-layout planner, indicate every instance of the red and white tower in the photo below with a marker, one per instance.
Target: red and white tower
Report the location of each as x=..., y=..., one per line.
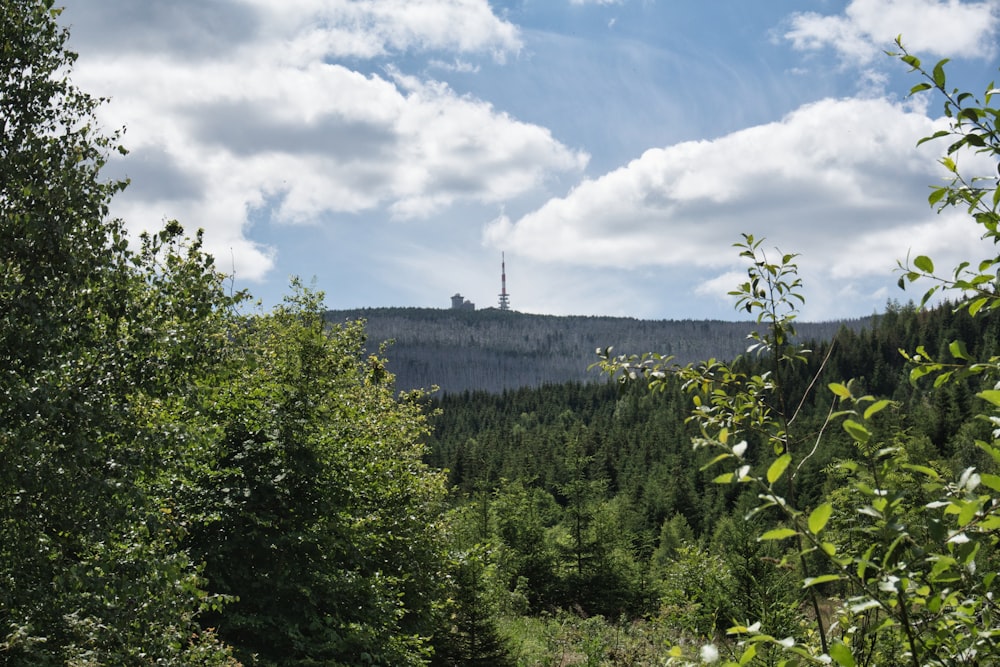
x=504, y=297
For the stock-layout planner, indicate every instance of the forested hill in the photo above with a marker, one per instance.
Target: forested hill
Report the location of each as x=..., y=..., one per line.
x=493, y=350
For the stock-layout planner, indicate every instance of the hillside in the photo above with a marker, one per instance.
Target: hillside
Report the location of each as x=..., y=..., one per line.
x=493, y=350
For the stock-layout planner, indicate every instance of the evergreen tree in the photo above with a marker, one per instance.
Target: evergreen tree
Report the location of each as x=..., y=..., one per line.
x=326, y=524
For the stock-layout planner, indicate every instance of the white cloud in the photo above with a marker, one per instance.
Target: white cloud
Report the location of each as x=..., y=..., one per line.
x=945, y=28
x=721, y=285
x=455, y=66
x=839, y=181
x=455, y=147
x=273, y=124
x=348, y=28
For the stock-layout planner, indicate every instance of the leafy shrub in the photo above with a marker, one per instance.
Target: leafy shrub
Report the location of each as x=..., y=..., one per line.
x=905, y=548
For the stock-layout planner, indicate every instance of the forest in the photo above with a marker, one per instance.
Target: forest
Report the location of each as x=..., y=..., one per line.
x=494, y=350
x=189, y=479
x=591, y=498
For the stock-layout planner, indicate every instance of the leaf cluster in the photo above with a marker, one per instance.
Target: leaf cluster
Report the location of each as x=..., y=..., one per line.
x=182, y=482
x=908, y=554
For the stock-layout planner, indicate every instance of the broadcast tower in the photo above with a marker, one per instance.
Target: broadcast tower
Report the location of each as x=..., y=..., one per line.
x=504, y=297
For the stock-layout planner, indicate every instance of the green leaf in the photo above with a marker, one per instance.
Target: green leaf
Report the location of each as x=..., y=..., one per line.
x=936, y=135
x=876, y=407
x=989, y=449
x=936, y=195
x=978, y=304
x=818, y=518
x=778, y=534
x=858, y=432
x=958, y=350
x=924, y=263
x=991, y=395
x=840, y=390
x=930, y=472
x=841, y=654
x=777, y=469
x=920, y=87
x=967, y=513
x=942, y=379
x=865, y=561
x=918, y=372
x=970, y=114
x=808, y=582
x=720, y=457
x=938, y=73
x=990, y=481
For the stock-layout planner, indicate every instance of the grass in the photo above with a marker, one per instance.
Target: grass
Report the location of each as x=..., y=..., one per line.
x=567, y=640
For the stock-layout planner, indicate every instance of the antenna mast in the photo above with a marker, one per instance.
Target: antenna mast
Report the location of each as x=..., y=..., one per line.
x=504, y=297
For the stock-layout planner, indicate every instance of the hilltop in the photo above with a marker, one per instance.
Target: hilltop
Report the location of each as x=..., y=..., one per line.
x=494, y=350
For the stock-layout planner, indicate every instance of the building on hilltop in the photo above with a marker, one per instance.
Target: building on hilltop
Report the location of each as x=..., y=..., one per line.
x=458, y=302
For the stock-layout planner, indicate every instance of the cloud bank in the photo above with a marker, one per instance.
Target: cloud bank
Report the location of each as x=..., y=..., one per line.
x=235, y=107
x=384, y=133
x=947, y=28
x=839, y=181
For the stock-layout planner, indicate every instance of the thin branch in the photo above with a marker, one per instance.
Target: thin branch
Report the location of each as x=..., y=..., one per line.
x=819, y=438
x=819, y=372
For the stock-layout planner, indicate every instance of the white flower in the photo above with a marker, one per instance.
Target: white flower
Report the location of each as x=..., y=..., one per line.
x=740, y=448
x=709, y=653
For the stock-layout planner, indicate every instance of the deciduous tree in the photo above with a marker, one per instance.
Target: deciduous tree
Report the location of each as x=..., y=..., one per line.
x=91, y=571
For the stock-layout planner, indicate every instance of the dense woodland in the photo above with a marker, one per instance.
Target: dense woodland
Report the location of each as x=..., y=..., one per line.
x=188, y=480
x=494, y=350
x=619, y=461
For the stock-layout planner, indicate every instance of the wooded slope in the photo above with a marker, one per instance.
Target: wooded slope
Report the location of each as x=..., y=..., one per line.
x=493, y=350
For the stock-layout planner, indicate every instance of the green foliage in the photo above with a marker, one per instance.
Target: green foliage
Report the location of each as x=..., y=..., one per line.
x=652, y=496
x=566, y=639
x=904, y=549
x=478, y=600
x=176, y=474
x=91, y=563
x=675, y=533
x=496, y=351
x=325, y=520
x=758, y=589
x=183, y=483
x=696, y=590
x=523, y=519
x=974, y=128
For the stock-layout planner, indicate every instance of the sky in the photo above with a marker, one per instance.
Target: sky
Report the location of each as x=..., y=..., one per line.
x=389, y=152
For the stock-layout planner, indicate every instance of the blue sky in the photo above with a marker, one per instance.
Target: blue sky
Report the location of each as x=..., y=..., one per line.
x=390, y=150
